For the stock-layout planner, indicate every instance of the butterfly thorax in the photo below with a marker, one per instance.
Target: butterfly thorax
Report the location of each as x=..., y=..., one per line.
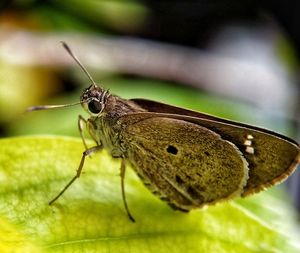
x=104, y=128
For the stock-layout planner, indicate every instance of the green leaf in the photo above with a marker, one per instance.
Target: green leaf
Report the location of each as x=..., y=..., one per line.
x=90, y=216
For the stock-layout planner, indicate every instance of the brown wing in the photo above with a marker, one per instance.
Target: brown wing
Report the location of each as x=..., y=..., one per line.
x=272, y=157
x=187, y=164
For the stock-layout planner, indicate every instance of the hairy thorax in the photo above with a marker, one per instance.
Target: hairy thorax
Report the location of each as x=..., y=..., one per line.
x=106, y=131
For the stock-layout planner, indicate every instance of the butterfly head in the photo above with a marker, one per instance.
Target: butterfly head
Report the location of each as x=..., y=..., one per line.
x=93, y=99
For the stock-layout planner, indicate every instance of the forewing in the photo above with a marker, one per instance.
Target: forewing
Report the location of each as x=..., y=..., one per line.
x=187, y=164
x=272, y=157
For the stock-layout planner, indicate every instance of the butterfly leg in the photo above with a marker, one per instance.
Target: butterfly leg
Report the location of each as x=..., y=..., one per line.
x=79, y=170
x=81, y=122
x=122, y=174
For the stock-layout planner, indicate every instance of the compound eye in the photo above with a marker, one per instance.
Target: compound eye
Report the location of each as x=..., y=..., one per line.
x=94, y=107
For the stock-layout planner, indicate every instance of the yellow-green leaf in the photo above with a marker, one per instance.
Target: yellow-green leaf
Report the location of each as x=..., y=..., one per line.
x=90, y=216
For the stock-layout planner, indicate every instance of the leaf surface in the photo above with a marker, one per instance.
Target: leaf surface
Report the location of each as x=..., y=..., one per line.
x=90, y=216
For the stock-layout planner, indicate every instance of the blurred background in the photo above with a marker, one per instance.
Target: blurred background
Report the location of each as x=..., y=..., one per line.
x=234, y=59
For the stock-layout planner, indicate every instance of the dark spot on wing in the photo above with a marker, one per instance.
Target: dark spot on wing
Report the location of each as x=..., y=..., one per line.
x=172, y=150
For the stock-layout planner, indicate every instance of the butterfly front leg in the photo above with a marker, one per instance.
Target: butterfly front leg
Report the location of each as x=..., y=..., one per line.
x=81, y=123
x=88, y=151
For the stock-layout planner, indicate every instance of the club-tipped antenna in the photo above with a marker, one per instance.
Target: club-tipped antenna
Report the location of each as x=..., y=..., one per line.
x=68, y=49
x=46, y=107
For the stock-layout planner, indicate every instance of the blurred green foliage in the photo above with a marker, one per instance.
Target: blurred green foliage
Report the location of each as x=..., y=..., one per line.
x=23, y=86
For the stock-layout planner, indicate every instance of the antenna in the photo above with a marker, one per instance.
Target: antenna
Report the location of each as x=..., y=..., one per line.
x=46, y=107
x=68, y=49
